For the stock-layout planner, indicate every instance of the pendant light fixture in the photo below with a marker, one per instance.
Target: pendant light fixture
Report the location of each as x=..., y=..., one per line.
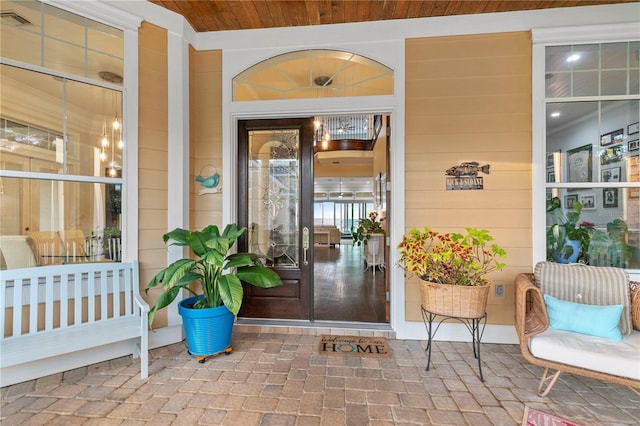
x=113, y=140
x=322, y=134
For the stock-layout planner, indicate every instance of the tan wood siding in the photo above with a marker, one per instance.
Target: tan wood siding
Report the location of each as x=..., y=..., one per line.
x=152, y=154
x=205, y=123
x=468, y=98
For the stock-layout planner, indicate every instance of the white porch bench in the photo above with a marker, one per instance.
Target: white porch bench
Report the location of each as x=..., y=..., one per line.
x=61, y=317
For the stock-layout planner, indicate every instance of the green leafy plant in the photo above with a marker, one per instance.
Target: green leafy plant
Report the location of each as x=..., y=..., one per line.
x=567, y=226
x=366, y=227
x=219, y=272
x=450, y=258
x=610, y=248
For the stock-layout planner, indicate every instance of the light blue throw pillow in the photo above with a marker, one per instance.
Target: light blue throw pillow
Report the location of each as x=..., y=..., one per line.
x=594, y=320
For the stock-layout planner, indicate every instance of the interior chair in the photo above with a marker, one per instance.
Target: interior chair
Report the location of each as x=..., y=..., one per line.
x=16, y=252
x=48, y=247
x=75, y=245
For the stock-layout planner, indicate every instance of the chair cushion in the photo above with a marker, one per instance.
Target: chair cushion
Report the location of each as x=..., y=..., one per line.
x=591, y=285
x=594, y=320
x=593, y=353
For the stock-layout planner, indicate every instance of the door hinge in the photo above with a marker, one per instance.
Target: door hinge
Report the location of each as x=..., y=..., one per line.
x=388, y=185
x=388, y=297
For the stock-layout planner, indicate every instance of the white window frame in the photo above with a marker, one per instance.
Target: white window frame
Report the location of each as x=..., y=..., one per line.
x=543, y=38
x=129, y=24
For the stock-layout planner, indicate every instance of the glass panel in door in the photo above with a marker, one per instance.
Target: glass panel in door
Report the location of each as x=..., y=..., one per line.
x=274, y=191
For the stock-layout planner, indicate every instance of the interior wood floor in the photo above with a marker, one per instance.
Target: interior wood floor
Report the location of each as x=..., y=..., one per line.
x=343, y=289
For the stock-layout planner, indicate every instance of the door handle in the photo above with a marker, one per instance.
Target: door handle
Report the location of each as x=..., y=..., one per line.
x=305, y=245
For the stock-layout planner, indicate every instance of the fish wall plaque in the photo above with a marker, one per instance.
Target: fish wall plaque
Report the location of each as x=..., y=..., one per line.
x=465, y=176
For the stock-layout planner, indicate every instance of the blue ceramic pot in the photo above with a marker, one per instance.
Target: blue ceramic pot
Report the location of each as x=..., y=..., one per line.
x=558, y=255
x=208, y=331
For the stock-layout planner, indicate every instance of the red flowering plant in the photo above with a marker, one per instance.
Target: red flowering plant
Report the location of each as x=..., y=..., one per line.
x=450, y=258
x=366, y=227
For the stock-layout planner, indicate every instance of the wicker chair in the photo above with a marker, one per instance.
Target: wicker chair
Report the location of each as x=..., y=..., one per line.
x=532, y=320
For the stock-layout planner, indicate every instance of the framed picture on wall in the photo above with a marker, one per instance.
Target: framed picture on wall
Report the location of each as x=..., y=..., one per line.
x=611, y=175
x=550, y=160
x=612, y=137
x=610, y=197
x=588, y=201
x=569, y=200
x=633, y=145
x=633, y=128
x=611, y=155
x=579, y=164
x=551, y=176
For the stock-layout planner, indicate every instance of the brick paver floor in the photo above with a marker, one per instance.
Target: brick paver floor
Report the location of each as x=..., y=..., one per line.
x=279, y=379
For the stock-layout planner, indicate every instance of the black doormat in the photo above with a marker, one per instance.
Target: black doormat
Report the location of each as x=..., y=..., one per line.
x=354, y=346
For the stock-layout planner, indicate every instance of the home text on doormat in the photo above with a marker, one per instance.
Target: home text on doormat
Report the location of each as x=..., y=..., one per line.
x=354, y=346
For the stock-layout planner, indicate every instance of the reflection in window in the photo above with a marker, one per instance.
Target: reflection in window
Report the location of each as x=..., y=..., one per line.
x=48, y=222
x=76, y=125
x=13, y=132
x=592, y=162
x=61, y=141
x=36, y=33
x=592, y=70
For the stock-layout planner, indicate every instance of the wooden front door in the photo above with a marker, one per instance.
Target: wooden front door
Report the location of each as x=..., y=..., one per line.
x=275, y=203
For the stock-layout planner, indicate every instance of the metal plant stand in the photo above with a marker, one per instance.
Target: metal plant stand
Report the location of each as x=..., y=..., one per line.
x=474, y=325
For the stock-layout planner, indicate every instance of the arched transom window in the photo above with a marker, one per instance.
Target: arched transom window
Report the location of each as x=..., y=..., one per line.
x=313, y=73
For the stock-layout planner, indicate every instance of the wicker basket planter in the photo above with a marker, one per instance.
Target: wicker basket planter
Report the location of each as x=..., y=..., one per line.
x=454, y=300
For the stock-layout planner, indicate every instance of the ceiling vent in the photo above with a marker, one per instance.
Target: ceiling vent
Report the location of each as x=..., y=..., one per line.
x=13, y=18
x=110, y=77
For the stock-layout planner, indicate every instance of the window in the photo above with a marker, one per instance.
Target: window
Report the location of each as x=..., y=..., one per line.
x=314, y=73
x=61, y=139
x=345, y=215
x=36, y=33
x=592, y=157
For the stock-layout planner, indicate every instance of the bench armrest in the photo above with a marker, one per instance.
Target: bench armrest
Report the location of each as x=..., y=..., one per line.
x=531, y=312
x=144, y=307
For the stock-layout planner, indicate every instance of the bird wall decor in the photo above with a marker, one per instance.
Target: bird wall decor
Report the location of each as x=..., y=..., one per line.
x=209, y=183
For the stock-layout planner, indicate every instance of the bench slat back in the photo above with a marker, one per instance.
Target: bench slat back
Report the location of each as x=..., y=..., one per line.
x=61, y=296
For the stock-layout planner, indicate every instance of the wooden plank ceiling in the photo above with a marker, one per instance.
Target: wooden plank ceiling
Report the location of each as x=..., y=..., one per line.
x=221, y=15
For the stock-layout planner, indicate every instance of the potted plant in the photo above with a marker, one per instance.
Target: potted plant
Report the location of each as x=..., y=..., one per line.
x=367, y=227
x=611, y=248
x=568, y=238
x=370, y=234
x=220, y=274
x=452, y=268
